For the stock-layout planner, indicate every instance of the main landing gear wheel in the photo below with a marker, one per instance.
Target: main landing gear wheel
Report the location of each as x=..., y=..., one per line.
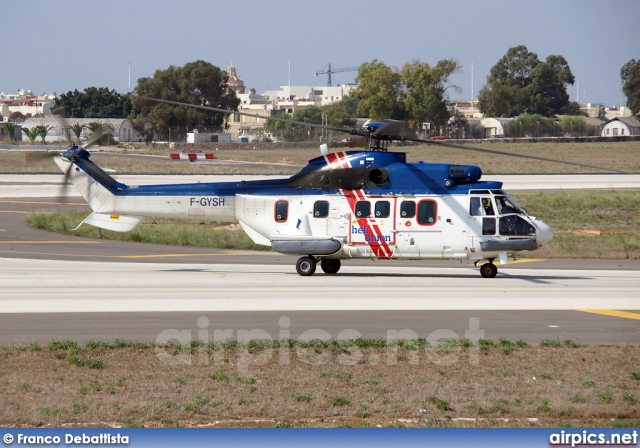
x=306, y=266
x=488, y=270
x=330, y=265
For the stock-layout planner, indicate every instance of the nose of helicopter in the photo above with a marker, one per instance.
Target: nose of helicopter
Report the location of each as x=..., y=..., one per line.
x=544, y=233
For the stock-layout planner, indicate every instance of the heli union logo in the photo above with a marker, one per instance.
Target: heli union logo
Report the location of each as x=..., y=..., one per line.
x=369, y=236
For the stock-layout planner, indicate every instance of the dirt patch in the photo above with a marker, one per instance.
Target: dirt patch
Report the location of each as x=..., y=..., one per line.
x=256, y=386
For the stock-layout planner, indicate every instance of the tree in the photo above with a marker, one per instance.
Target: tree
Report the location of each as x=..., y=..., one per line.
x=425, y=90
x=31, y=134
x=17, y=116
x=77, y=129
x=531, y=125
x=199, y=83
x=548, y=86
x=630, y=74
x=310, y=114
x=380, y=91
x=574, y=126
x=97, y=126
x=338, y=115
x=350, y=103
x=457, y=126
x=520, y=82
x=277, y=127
x=94, y=102
x=42, y=131
x=11, y=130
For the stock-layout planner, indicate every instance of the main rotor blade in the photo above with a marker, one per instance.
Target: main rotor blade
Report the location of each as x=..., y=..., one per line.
x=61, y=112
x=104, y=129
x=511, y=154
x=391, y=128
x=228, y=111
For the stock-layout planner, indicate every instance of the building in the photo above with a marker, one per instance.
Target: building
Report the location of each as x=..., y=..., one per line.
x=26, y=103
x=593, y=110
x=615, y=112
x=621, y=126
x=467, y=108
x=59, y=128
x=495, y=127
x=235, y=84
x=289, y=98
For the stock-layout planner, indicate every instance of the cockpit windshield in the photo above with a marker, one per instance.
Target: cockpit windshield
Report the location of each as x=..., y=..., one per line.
x=507, y=205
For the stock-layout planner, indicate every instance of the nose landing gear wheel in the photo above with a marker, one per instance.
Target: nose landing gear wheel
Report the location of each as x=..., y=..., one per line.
x=488, y=270
x=329, y=265
x=306, y=266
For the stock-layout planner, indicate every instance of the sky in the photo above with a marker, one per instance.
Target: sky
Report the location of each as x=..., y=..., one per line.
x=63, y=45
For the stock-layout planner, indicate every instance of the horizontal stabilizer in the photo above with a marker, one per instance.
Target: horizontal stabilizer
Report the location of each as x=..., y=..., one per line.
x=117, y=223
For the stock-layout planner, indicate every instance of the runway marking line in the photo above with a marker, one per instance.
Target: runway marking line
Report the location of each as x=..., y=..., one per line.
x=176, y=255
x=528, y=260
x=109, y=256
x=614, y=313
x=49, y=242
x=42, y=203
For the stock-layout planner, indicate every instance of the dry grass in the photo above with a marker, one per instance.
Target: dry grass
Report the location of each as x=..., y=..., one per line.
x=503, y=384
x=623, y=156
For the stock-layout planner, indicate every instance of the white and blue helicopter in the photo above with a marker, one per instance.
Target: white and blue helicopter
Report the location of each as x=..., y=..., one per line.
x=362, y=204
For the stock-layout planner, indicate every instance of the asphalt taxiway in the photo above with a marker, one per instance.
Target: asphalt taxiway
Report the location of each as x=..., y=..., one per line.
x=61, y=287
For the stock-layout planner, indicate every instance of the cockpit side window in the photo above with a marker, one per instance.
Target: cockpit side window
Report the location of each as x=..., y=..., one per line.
x=481, y=206
x=506, y=207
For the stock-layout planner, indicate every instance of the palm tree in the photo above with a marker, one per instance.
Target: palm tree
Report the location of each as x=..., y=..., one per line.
x=98, y=130
x=31, y=133
x=11, y=129
x=77, y=130
x=42, y=131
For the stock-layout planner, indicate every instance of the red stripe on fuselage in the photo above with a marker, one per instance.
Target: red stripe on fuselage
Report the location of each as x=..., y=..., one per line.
x=380, y=248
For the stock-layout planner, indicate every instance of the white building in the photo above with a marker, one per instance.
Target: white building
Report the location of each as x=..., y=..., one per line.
x=621, y=126
x=288, y=98
x=495, y=127
x=26, y=103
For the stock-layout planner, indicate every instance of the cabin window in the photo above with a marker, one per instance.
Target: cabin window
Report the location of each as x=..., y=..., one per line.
x=383, y=209
x=321, y=209
x=363, y=209
x=408, y=209
x=281, y=211
x=427, y=212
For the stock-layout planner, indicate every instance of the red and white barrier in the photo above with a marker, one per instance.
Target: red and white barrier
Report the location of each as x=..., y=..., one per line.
x=192, y=157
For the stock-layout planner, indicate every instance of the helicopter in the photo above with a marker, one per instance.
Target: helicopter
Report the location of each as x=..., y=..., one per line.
x=369, y=203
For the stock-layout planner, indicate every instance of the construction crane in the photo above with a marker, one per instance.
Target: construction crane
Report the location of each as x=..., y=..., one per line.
x=330, y=70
